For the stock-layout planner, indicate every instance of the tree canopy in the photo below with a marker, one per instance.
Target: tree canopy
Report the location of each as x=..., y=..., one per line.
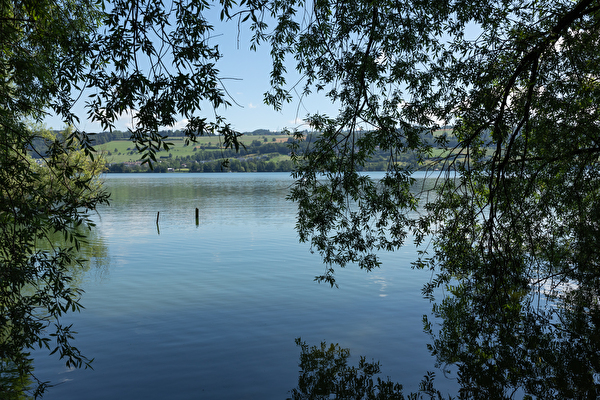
x=44, y=51
x=510, y=224
x=510, y=227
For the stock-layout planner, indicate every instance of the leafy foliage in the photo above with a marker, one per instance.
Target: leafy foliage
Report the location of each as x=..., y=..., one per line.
x=155, y=62
x=521, y=97
x=510, y=225
x=37, y=203
x=44, y=51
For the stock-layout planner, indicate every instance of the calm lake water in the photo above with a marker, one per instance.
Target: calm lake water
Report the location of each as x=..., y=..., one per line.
x=211, y=311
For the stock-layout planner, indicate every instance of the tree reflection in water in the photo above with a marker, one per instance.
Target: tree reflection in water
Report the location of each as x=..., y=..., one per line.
x=17, y=377
x=503, y=341
x=325, y=374
x=509, y=342
x=15, y=381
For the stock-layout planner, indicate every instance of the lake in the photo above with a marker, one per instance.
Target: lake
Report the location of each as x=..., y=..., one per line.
x=211, y=310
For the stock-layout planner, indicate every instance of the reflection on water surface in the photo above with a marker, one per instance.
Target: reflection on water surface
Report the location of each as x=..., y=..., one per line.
x=212, y=310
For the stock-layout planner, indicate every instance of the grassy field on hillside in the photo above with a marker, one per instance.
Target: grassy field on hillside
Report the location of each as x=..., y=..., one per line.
x=119, y=151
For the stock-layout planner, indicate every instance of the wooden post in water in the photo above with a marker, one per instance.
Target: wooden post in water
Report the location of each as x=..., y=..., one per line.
x=157, y=228
x=197, y=217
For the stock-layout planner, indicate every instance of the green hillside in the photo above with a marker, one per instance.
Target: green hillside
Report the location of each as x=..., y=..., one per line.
x=267, y=152
x=120, y=151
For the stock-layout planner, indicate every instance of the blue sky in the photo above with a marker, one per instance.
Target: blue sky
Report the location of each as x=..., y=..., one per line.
x=249, y=79
x=245, y=76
